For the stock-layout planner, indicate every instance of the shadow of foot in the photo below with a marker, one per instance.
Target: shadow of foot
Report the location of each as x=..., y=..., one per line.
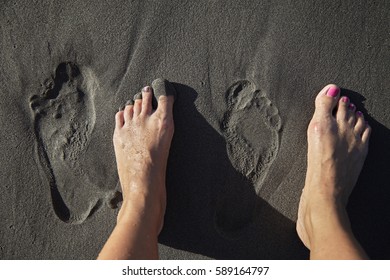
x=199, y=173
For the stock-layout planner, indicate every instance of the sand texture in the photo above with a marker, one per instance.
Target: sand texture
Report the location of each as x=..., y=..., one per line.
x=245, y=73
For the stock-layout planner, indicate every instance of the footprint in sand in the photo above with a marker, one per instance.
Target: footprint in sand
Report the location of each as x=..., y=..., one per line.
x=64, y=118
x=251, y=127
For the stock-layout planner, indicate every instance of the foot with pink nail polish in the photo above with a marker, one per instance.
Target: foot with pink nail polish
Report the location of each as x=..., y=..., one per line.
x=337, y=147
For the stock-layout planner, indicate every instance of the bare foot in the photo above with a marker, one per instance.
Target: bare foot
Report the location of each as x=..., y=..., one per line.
x=142, y=139
x=337, y=147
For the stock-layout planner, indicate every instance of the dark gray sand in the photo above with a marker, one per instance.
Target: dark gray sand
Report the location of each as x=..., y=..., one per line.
x=246, y=74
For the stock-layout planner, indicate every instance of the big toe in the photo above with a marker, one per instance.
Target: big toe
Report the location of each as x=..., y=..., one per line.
x=164, y=96
x=327, y=99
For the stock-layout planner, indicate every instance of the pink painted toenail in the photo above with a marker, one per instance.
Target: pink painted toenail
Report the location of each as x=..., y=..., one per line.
x=351, y=106
x=345, y=99
x=146, y=89
x=333, y=91
x=359, y=113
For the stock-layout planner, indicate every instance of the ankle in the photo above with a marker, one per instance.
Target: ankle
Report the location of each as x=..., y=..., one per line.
x=324, y=217
x=142, y=188
x=141, y=214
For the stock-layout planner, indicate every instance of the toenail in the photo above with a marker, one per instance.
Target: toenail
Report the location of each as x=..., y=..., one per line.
x=146, y=89
x=129, y=102
x=351, y=106
x=137, y=96
x=345, y=99
x=333, y=91
x=359, y=113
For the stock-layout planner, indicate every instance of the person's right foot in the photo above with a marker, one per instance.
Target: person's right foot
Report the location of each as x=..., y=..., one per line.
x=337, y=147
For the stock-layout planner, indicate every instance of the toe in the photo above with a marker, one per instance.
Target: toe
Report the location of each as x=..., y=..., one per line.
x=165, y=94
x=360, y=123
x=137, y=104
x=128, y=113
x=327, y=100
x=119, y=120
x=147, y=100
x=342, y=113
x=128, y=102
x=366, y=134
x=351, y=117
x=165, y=105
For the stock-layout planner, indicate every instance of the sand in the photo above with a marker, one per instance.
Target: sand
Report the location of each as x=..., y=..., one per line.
x=246, y=74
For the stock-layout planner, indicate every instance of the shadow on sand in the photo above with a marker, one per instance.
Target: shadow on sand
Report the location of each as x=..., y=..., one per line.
x=199, y=174
x=369, y=204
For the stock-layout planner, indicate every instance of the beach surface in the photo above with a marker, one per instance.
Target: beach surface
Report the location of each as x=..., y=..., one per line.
x=246, y=74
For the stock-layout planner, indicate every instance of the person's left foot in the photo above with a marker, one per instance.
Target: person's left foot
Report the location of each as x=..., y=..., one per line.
x=142, y=140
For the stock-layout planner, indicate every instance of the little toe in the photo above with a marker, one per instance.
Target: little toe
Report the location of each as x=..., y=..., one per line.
x=137, y=104
x=128, y=113
x=327, y=100
x=147, y=100
x=119, y=120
